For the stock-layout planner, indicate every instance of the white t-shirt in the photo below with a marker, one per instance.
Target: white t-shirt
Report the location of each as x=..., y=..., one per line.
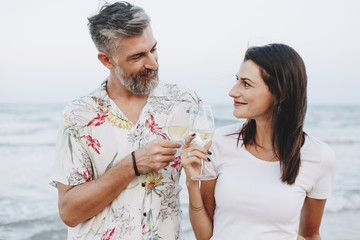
x=252, y=203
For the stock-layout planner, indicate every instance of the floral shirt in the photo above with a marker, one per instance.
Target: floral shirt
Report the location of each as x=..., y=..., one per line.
x=94, y=136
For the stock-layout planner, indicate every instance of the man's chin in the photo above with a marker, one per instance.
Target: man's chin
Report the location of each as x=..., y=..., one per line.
x=150, y=86
x=154, y=83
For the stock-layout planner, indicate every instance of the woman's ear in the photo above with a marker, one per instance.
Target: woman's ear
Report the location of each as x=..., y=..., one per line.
x=105, y=60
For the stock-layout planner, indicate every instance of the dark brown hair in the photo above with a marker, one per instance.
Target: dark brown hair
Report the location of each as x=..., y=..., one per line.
x=283, y=71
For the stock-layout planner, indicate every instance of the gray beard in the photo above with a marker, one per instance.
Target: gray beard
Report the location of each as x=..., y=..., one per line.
x=135, y=83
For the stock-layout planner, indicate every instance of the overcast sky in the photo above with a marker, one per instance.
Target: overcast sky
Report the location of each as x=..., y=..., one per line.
x=46, y=53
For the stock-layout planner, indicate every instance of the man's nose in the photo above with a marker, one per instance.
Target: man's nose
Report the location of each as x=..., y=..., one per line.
x=152, y=61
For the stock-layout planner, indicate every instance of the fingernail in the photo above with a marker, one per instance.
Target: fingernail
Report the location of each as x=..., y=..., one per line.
x=209, y=159
x=208, y=151
x=193, y=134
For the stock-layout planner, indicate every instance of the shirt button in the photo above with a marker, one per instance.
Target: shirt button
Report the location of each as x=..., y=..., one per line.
x=143, y=184
x=144, y=214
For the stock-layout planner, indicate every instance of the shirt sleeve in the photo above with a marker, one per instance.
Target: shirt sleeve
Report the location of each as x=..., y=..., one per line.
x=326, y=174
x=72, y=163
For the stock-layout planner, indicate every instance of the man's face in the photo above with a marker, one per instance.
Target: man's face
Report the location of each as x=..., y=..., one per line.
x=136, y=63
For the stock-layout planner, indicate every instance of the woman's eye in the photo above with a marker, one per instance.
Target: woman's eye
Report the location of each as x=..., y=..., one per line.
x=246, y=84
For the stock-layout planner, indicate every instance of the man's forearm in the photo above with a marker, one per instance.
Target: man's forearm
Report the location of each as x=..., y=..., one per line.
x=79, y=203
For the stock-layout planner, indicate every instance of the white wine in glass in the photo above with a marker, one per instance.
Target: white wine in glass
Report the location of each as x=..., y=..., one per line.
x=203, y=126
x=177, y=123
x=177, y=132
x=202, y=137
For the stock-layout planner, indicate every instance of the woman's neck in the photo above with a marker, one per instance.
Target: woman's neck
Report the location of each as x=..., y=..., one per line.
x=264, y=134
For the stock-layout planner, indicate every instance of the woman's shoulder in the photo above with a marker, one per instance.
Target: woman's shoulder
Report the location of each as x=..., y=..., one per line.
x=225, y=143
x=315, y=148
x=228, y=129
x=226, y=134
x=315, y=143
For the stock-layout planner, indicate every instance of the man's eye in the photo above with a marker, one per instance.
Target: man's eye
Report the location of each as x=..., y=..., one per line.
x=136, y=57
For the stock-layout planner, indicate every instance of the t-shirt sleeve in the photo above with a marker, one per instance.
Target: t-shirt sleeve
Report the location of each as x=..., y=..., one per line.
x=72, y=164
x=223, y=142
x=323, y=183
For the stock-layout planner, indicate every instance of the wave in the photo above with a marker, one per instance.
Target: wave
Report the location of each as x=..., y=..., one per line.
x=49, y=227
x=341, y=139
x=39, y=138
x=24, y=128
x=17, y=145
x=349, y=200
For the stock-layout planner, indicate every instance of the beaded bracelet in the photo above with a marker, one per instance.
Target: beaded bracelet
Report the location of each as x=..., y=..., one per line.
x=134, y=164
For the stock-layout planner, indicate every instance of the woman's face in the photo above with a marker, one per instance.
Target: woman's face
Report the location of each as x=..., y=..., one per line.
x=252, y=98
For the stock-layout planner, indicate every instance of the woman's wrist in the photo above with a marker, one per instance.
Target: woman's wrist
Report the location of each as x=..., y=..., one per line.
x=191, y=184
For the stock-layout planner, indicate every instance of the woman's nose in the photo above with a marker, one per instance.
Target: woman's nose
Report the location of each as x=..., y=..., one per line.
x=235, y=91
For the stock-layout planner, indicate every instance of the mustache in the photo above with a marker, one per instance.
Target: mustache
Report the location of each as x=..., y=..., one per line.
x=148, y=71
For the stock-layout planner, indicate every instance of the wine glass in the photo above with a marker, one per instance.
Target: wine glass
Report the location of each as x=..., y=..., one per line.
x=177, y=123
x=203, y=126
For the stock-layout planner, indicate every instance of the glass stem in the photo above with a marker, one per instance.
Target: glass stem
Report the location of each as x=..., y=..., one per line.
x=202, y=167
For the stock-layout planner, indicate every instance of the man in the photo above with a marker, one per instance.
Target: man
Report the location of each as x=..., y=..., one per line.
x=116, y=172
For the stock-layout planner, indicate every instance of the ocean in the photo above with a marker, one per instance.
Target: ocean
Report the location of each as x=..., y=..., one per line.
x=28, y=204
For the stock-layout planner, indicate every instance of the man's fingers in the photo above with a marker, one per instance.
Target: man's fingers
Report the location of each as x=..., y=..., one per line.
x=168, y=151
x=170, y=144
x=168, y=159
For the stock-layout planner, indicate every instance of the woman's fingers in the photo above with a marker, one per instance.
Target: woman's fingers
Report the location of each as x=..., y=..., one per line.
x=198, y=148
x=188, y=140
x=208, y=145
x=199, y=155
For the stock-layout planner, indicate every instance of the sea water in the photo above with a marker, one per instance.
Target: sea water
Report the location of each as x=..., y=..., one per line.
x=28, y=204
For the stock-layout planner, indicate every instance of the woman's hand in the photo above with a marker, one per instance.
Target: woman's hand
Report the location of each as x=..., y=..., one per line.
x=191, y=156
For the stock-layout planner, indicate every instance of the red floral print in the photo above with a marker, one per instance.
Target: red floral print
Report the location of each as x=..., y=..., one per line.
x=144, y=232
x=151, y=185
x=99, y=126
x=92, y=142
x=87, y=175
x=176, y=163
x=150, y=123
x=100, y=102
x=100, y=118
x=107, y=235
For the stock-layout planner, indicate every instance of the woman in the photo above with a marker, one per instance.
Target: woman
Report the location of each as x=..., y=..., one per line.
x=272, y=178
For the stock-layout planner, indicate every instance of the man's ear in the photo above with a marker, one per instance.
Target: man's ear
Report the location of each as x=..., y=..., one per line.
x=105, y=60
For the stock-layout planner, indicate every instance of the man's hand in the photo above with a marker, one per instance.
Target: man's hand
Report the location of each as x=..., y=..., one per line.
x=81, y=202
x=155, y=155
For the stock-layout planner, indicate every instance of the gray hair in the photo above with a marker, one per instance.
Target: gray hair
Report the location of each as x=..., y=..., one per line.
x=114, y=22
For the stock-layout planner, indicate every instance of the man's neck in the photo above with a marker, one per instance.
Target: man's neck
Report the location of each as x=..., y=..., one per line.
x=116, y=90
x=128, y=102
